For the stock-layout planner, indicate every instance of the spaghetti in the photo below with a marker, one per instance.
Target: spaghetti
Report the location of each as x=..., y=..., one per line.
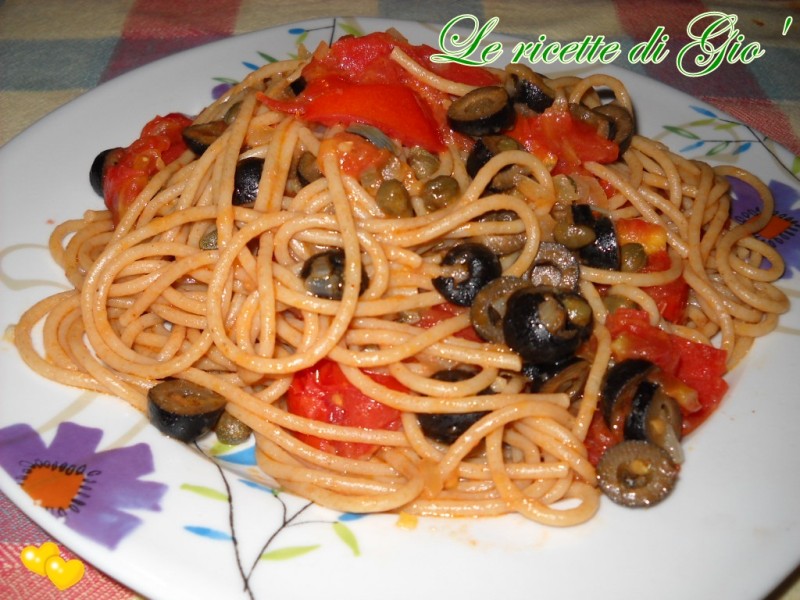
x=151, y=301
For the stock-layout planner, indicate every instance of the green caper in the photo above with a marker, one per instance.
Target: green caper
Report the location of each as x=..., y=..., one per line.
x=371, y=180
x=578, y=310
x=393, y=199
x=423, y=163
x=573, y=236
x=633, y=257
x=231, y=431
x=612, y=302
x=439, y=192
x=307, y=168
x=209, y=240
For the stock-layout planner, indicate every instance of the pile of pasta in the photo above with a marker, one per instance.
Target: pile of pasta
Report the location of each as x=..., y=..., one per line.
x=148, y=303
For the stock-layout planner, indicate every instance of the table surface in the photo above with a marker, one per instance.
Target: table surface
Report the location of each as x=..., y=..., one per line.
x=53, y=51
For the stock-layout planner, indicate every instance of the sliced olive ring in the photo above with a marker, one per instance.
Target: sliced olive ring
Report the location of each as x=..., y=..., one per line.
x=100, y=165
x=482, y=111
x=184, y=410
x=323, y=275
x=482, y=266
x=635, y=406
x=486, y=148
x=200, y=136
x=622, y=124
x=448, y=427
x=604, y=251
x=489, y=307
x=569, y=377
x=554, y=266
x=246, y=180
x=657, y=418
x=501, y=244
x=546, y=325
x=636, y=474
x=530, y=88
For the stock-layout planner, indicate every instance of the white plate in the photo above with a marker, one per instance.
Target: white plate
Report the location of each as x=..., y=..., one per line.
x=182, y=527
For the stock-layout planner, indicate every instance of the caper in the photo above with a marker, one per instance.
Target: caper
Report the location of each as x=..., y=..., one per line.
x=423, y=163
x=633, y=257
x=439, y=192
x=307, y=168
x=578, y=310
x=613, y=301
x=573, y=236
x=209, y=240
x=393, y=199
x=231, y=431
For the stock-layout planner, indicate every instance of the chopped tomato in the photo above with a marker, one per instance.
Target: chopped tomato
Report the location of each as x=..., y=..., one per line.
x=391, y=107
x=356, y=154
x=671, y=298
x=323, y=393
x=555, y=137
x=651, y=236
x=440, y=312
x=699, y=366
x=160, y=143
x=599, y=438
x=356, y=81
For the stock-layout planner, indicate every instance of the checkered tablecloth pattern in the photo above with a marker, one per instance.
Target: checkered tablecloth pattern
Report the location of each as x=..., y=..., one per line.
x=52, y=51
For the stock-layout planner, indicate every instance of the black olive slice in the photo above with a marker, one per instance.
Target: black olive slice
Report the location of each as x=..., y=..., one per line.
x=500, y=244
x=489, y=307
x=636, y=474
x=298, y=85
x=486, y=148
x=600, y=122
x=655, y=417
x=184, y=410
x=200, y=136
x=307, y=168
x=554, y=266
x=620, y=385
x=100, y=165
x=448, y=427
x=529, y=88
x=569, y=378
x=483, y=111
x=246, y=180
x=323, y=275
x=546, y=325
x=603, y=252
x=481, y=264
x=622, y=124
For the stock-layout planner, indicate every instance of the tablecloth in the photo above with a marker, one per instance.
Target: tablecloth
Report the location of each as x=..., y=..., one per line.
x=52, y=51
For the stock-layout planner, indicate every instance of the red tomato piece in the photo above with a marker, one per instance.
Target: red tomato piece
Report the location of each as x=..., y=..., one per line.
x=671, y=298
x=651, y=236
x=356, y=154
x=323, y=393
x=357, y=81
x=159, y=144
x=391, y=107
x=699, y=366
x=554, y=134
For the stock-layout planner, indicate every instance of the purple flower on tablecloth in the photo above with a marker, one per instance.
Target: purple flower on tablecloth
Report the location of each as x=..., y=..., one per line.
x=89, y=489
x=782, y=231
